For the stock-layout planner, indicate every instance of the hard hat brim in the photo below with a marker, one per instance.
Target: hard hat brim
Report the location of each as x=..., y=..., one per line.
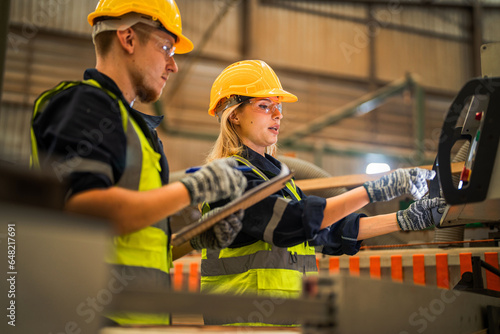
x=183, y=45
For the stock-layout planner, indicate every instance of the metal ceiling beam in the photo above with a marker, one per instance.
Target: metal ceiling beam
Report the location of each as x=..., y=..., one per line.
x=361, y=106
x=282, y=70
x=312, y=75
x=358, y=107
x=292, y=5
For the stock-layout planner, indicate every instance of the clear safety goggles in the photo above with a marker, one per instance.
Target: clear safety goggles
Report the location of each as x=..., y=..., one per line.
x=268, y=105
x=167, y=48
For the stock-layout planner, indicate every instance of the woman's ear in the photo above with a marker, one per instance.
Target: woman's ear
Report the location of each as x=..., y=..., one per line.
x=233, y=118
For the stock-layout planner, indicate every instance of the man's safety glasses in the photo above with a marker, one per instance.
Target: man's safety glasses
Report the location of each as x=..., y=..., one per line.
x=166, y=47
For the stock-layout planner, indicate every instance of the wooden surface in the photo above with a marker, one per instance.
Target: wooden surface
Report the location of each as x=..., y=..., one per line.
x=352, y=181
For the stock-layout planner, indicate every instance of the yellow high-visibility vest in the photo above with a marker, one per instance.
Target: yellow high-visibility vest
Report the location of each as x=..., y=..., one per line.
x=144, y=253
x=259, y=268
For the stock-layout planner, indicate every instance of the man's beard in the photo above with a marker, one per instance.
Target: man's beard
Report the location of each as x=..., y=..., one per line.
x=144, y=93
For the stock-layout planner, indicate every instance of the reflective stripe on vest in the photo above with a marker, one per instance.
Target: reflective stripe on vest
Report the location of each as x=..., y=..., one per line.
x=145, y=253
x=260, y=268
x=290, y=184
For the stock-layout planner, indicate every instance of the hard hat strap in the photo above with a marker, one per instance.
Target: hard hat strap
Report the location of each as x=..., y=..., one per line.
x=229, y=102
x=124, y=22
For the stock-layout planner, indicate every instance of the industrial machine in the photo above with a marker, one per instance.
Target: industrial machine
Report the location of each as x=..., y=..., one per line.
x=474, y=118
x=476, y=197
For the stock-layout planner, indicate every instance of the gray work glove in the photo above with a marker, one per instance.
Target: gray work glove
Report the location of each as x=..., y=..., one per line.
x=215, y=181
x=221, y=235
x=401, y=181
x=418, y=216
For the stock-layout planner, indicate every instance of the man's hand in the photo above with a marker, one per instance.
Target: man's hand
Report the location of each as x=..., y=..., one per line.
x=402, y=181
x=215, y=181
x=418, y=216
x=221, y=235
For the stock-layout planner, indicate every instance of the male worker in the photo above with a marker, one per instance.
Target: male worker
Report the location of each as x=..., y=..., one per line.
x=88, y=134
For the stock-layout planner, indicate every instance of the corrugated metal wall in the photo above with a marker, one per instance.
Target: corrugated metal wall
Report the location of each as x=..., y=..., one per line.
x=434, y=44
x=69, y=16
x=309, y=36
x=328, y=53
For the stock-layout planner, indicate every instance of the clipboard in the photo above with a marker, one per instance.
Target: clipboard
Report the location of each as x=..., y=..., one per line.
x=248, y=199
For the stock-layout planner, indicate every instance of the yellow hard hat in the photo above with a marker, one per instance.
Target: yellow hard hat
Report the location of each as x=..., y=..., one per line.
x=165, y=11
x=250, y=78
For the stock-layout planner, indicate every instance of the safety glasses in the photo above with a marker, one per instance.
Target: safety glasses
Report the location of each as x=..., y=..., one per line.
x=265, y=105
x=261, y=104
x=165, y=46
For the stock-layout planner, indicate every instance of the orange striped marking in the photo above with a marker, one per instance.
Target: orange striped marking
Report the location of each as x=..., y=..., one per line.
x=419, y=269
x=193, y=282
x=354, y=265
x=334, y=265
x=492, y=280
x=442, y=274
x=397, y=268
x=465, y=263
x=178, y=276
x=375, y=271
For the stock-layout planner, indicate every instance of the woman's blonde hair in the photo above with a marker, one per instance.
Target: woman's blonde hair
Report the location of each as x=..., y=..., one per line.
x=229, y=141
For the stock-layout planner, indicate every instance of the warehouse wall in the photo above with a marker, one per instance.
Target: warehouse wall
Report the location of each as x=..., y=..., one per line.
x=328, y=53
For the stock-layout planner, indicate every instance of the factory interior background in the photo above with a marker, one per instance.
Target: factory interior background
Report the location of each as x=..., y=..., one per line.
x=374, y=80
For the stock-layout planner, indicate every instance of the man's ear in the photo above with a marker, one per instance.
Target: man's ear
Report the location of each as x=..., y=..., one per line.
x=127, y=39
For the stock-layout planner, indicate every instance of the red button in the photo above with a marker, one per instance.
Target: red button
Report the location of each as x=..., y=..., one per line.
x=465, y=176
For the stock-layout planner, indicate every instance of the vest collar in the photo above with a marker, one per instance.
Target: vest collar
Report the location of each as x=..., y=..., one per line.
x=106, y=82
x=268, y=164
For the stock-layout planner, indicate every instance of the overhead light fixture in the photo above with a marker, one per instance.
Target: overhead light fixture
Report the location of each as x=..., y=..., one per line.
x=377, y=167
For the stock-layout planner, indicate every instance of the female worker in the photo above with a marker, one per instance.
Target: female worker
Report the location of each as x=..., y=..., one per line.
x=275, y=247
